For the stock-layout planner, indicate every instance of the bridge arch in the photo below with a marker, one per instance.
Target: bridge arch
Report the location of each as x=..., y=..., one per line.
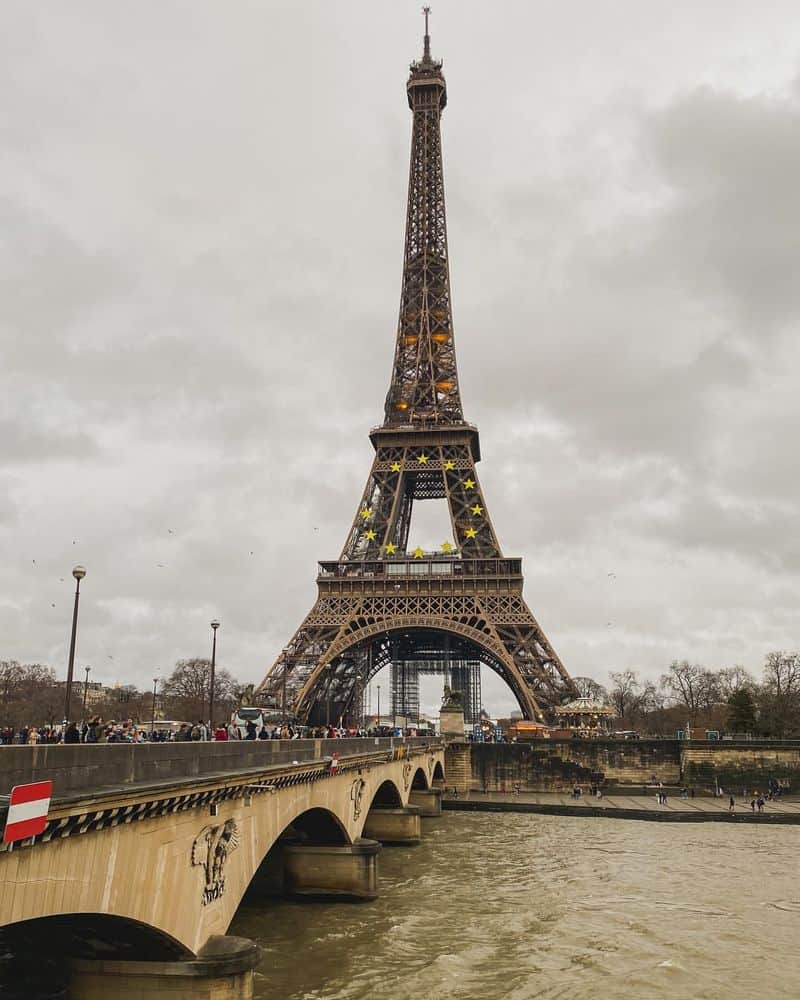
x=419, y=783
x=387, y=796
x=316, y=826
x=438, y=772
x=94, y=935
x=476, y=634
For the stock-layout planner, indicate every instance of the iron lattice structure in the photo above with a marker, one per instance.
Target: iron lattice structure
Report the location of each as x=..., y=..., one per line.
x=380, y=604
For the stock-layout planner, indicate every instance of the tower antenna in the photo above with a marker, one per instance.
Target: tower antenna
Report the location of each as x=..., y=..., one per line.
x=427, y=50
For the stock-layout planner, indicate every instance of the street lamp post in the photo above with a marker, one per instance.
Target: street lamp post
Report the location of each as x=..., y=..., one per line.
x=79, y=573
x=153, y=718
x=214, y=626
x=85, y=691
x=379, y=706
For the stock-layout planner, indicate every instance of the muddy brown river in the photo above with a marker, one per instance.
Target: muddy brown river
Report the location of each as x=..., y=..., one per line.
x=521, y=906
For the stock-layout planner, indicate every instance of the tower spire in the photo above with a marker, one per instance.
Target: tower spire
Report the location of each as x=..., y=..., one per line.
x=424, y=387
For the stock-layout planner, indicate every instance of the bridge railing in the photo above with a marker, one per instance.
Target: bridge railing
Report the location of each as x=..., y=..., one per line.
x=85, y=767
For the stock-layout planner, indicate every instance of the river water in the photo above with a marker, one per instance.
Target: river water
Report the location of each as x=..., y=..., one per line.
x=519, y=906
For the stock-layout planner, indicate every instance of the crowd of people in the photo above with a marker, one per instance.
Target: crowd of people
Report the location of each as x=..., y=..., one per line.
x=95, y=730
x=90, y=731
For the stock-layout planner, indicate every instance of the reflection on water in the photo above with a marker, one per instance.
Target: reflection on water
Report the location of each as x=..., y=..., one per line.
x=520, y=906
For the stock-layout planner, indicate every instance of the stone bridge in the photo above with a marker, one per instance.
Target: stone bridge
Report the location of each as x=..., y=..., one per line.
x=149, y=850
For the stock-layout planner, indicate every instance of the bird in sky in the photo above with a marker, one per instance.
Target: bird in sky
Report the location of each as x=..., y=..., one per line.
x=170, y=531
x=33, y=561
x=52, y=605
x=61, y=579
x=160, y=565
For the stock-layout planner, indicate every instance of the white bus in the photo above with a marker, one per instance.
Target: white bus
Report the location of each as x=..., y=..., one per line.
x=245, y=714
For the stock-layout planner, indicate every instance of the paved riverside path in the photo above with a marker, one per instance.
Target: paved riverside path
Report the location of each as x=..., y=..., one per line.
x=622, y=806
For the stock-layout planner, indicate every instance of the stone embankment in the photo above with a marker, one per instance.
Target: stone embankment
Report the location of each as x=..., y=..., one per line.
x=558, y=765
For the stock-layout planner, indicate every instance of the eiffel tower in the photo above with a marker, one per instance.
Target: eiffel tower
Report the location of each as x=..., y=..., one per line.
x=380, y=604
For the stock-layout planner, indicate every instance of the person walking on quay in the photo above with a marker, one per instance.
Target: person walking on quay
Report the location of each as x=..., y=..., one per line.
x=731, y=804
x=753, y=804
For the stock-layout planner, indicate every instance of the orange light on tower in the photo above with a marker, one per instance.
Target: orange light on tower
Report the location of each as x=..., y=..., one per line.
x=445, y=386
x=440, y=338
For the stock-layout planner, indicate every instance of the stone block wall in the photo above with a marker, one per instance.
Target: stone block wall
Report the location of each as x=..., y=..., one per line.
x=556, y=765
x=740, y=768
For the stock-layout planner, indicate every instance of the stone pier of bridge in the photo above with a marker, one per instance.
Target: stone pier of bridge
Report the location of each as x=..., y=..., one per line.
x=149, y=849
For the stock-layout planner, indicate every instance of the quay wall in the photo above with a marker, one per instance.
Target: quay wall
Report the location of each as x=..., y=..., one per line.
x=557, y=765
x=741, y=768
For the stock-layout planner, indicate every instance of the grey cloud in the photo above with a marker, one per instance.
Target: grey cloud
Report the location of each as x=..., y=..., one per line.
x=23, y=442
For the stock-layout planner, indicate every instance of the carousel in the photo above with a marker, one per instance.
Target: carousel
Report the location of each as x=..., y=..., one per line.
x=586, y=717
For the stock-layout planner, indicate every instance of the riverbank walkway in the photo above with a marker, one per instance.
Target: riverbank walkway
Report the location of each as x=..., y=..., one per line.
x=623, y=806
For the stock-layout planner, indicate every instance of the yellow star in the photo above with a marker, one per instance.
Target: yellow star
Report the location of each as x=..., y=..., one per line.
x=369, y=535
x=449, y=464
x=366, y=513
x=447, y=547
x=395, y=466
x=470, y=532
x=418, y=553
x=477, y=509
x=391, y=548
x=422, y=459
x=469, y=484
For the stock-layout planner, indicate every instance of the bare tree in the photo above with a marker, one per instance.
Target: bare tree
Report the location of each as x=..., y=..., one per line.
x=185, y=692
x=27, y=693
x=589, y=688
x=731, y=680
x=691, y=686
x=779, y=696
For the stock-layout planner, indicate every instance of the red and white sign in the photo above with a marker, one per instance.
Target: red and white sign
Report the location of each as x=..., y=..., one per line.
x=27, y=811
x=334, y=768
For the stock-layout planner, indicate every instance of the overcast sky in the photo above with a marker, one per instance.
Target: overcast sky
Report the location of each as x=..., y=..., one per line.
x=201, y=225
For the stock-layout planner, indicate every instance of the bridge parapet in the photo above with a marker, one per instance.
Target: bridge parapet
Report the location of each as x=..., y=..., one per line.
x=88, y=767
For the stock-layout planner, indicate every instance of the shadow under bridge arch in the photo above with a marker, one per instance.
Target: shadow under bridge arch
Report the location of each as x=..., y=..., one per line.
x=335, y=688
x=315, y=827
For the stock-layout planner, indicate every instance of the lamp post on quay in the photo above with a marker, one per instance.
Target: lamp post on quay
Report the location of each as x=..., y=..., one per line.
x=379, y=705
x=85, y=691
x=214, y=626
x=153, y=718
x=79, y=573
